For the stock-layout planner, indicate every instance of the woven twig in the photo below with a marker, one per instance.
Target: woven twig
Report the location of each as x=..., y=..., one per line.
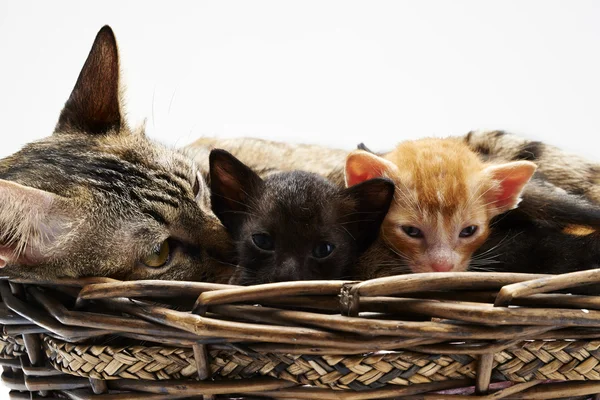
x=403, y=335
x=11, y=347
x=537, y=360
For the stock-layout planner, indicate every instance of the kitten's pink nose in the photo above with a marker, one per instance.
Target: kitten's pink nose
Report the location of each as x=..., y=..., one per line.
x=442, y=266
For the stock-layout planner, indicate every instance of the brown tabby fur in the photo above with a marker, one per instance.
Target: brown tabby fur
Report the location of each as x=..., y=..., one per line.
x=96, y=198
x=568, y=171
x=267, y=157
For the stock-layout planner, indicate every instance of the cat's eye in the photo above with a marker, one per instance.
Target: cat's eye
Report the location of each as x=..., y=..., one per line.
x=263, y=241
x=322, y=250
x=158, y=256
x=412, y=231
x=468, y=231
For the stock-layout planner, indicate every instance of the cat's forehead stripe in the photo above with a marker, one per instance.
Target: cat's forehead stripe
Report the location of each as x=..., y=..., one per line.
x=117, y=172
x=173, y=179
x=155, y=197
x=438, y=172
x=155, y=214
x=127, y=173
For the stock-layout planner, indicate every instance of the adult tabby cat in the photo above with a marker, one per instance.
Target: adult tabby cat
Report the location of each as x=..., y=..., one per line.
x=99, y=199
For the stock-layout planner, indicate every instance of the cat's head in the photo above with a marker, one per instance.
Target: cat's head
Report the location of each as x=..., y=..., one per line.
x=445, y=198
x=99, y=199
x=294, y=225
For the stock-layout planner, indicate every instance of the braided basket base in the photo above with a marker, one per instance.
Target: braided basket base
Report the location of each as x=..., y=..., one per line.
x=11, y=347
x=467, y=332
x=527, y=361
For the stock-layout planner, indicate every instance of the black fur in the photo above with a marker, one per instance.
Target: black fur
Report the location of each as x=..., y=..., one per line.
x=299, y=211
x=532, y=237
x=551, y=206
x=362, y=146
x=524, y=246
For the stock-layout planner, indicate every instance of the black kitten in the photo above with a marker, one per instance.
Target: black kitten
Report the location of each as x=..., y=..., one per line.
x=294, y=225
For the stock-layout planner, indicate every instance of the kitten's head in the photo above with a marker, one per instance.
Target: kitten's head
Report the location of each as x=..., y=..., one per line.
x=294, y=225
x=98, y=199
x=445, y=198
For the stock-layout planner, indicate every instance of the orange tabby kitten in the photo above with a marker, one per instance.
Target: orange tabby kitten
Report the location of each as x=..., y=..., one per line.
x=445, y=198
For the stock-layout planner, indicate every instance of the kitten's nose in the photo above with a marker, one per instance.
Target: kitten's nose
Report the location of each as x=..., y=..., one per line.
x=442, y=266
x=288, y=270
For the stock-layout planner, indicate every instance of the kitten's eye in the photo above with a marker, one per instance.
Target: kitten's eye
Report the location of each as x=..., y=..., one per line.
x=468, y=231
x=159, y=256
x=323, y=249
x=263, y=241
x=412, y=231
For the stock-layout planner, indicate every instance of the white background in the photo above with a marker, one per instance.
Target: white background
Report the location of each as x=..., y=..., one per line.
x=331, y=72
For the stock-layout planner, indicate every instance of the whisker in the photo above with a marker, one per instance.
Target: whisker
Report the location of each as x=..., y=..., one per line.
x=481, y=269
x=356, y=212
x=223, y=262
x=355, y=221
x=240, y=212
x=392, y=248
x=230, y=199
x=347, y=231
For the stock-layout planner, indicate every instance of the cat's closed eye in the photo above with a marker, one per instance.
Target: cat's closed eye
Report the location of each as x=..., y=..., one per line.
x=323, y=249
x=468, y=231
x=263, y=241
x=159, y=256
x=413, y=232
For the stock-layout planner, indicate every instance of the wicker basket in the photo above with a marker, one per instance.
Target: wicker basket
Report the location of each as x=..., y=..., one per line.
x=421, y=336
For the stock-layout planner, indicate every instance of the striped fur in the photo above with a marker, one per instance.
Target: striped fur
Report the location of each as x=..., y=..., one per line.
x=571, y=172
x=267, y=157
x=97, y=198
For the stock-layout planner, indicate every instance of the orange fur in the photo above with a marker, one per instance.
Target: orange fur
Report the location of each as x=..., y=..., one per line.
x=442, y=187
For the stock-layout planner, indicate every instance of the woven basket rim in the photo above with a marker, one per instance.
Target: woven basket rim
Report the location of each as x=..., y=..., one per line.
x=437, y=329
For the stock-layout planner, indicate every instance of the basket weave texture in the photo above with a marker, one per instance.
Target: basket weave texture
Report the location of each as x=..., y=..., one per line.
x=441, y=335
x=523, y=362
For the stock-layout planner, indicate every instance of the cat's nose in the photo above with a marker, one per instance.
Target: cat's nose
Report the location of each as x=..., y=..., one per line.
x=289, y=270
x=442, y=266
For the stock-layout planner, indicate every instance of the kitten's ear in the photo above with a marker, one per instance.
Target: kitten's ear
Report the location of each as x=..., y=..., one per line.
x=362, y=165
x=231, y=185
x=372, y=200
x=94, y=106
x=32, y=221
x=508, y=182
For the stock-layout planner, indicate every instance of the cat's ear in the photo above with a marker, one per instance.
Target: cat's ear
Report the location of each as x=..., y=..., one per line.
x=362, y=165
x=32, y=221
x=232, y=183
x=372, y=200
x=508, y=182
x=94, y=106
